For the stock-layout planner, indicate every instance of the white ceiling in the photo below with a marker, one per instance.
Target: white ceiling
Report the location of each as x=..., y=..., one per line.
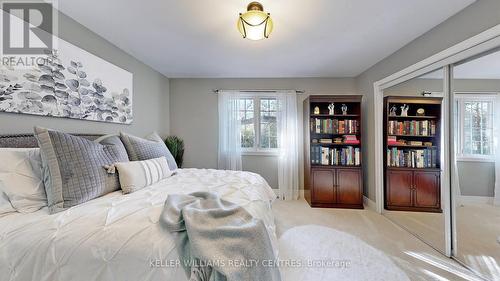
x=313, y=38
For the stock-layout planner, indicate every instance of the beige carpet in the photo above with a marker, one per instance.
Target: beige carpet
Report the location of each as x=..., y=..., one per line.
x=418, y=260
x=308, y=252
x=478, y=229
x=427, y=226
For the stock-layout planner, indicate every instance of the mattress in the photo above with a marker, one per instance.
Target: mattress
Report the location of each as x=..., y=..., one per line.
x=117, y=237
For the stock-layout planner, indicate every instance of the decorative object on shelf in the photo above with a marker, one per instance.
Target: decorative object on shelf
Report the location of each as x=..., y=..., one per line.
x=176, y=147
x=255, y=24
x=331, y=109
x=316, y=110
x=344, y=109
x=327, y=141
x=393, y=110
x=420, y=112
x=428, y=143
x=404, y=110
x=337, y=140
x=70, y=83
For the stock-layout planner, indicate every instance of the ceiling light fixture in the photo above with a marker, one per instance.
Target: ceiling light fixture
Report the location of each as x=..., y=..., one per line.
x=255, y=24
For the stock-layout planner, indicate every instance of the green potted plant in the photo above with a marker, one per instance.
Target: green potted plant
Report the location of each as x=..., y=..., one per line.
x=176, y=147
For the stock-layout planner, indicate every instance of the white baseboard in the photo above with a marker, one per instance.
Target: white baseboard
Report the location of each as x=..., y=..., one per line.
x=301, y=193
x=369, y=204
x=474, y=199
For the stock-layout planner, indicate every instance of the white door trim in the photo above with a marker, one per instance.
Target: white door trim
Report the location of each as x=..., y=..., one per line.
x=475, y=45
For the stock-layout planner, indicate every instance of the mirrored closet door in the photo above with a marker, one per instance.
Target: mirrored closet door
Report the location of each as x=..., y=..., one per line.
x=475, y=182
x=413, y=143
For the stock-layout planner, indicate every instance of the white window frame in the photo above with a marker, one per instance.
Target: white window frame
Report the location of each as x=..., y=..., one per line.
x=460, y=98
x=256, y=149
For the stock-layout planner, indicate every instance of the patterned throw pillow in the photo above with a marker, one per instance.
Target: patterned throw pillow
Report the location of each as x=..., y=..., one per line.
x=151, y=147
x=73, y=168
x=135, y=175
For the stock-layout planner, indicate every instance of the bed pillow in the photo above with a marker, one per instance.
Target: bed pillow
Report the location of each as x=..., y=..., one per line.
x=74, y=168
x=151, y=147
x=136, y=175
x=21, y=179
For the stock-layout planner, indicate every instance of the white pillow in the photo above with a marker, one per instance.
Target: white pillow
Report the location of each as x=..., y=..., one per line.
x=135, y=175
x=21, y=178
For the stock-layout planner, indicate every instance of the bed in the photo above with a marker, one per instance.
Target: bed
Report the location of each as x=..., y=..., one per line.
x=116, y=236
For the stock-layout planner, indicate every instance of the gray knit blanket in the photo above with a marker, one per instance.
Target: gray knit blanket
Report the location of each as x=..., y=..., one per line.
x=218, y=240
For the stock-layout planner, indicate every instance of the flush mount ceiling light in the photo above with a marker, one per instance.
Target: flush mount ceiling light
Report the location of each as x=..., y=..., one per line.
x=255, y=24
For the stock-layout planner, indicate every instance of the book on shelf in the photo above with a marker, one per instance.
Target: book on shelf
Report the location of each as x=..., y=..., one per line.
x=392, y=140
x=346, y=156
x=325, y=155
x=325, y=141
x=334, y=126
x=351, y=139
x=412, y=128
x=412, y=158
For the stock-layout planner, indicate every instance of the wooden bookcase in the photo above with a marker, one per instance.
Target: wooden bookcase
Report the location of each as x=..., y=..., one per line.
x=412, y=164
x=338, y=183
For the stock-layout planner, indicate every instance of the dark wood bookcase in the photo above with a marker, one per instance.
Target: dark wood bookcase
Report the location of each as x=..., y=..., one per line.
x=338, y=183
x=412, y=163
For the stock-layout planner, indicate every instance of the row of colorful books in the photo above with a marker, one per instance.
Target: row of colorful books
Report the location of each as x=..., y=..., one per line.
x=334, y=126
x=413, y=128
x=347, y=156
x=412, y=158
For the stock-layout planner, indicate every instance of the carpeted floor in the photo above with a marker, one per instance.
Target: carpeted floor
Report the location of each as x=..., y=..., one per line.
x=415, y=258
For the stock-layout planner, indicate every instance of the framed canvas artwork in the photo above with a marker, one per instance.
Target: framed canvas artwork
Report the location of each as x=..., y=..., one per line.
x=68, y=82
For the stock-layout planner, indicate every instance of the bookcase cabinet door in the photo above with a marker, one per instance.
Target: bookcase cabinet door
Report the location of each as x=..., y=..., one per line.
x=399, y=188
x=349, y=187
x=427, y=193
x=322, y=186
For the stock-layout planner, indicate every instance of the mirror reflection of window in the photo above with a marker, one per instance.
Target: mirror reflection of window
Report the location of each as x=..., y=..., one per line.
x=476, y=177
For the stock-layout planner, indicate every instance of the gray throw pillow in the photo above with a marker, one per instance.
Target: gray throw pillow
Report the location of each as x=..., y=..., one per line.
x=151, y=147
x=73, y=167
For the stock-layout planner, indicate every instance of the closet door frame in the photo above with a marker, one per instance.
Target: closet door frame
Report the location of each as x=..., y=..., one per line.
x=476, y=45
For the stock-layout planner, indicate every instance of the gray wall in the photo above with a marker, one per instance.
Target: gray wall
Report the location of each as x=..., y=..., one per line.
x=194, y=117
x=474, y=19
x=476, y=178
x=150, y=100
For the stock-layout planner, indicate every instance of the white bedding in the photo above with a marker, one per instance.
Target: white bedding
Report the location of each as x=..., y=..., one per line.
x=116, y=237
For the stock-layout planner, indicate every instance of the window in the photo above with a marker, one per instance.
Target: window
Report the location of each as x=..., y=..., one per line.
x=259, y=132
x=475, y=126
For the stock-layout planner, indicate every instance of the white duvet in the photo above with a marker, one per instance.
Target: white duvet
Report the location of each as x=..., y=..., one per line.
x=117, y=237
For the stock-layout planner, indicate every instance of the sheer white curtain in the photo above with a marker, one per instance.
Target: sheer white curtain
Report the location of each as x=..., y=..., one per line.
x=288, y=146
x=229, y=156
x=496, y=132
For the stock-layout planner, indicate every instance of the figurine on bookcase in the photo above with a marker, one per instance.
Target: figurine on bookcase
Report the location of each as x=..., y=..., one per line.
x=393, y=110
x=331, y=109
x=316, y=110
x=344, y=109
x=404, y=110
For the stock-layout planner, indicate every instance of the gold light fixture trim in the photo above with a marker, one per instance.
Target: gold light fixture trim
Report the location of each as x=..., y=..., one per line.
x=255, y=24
